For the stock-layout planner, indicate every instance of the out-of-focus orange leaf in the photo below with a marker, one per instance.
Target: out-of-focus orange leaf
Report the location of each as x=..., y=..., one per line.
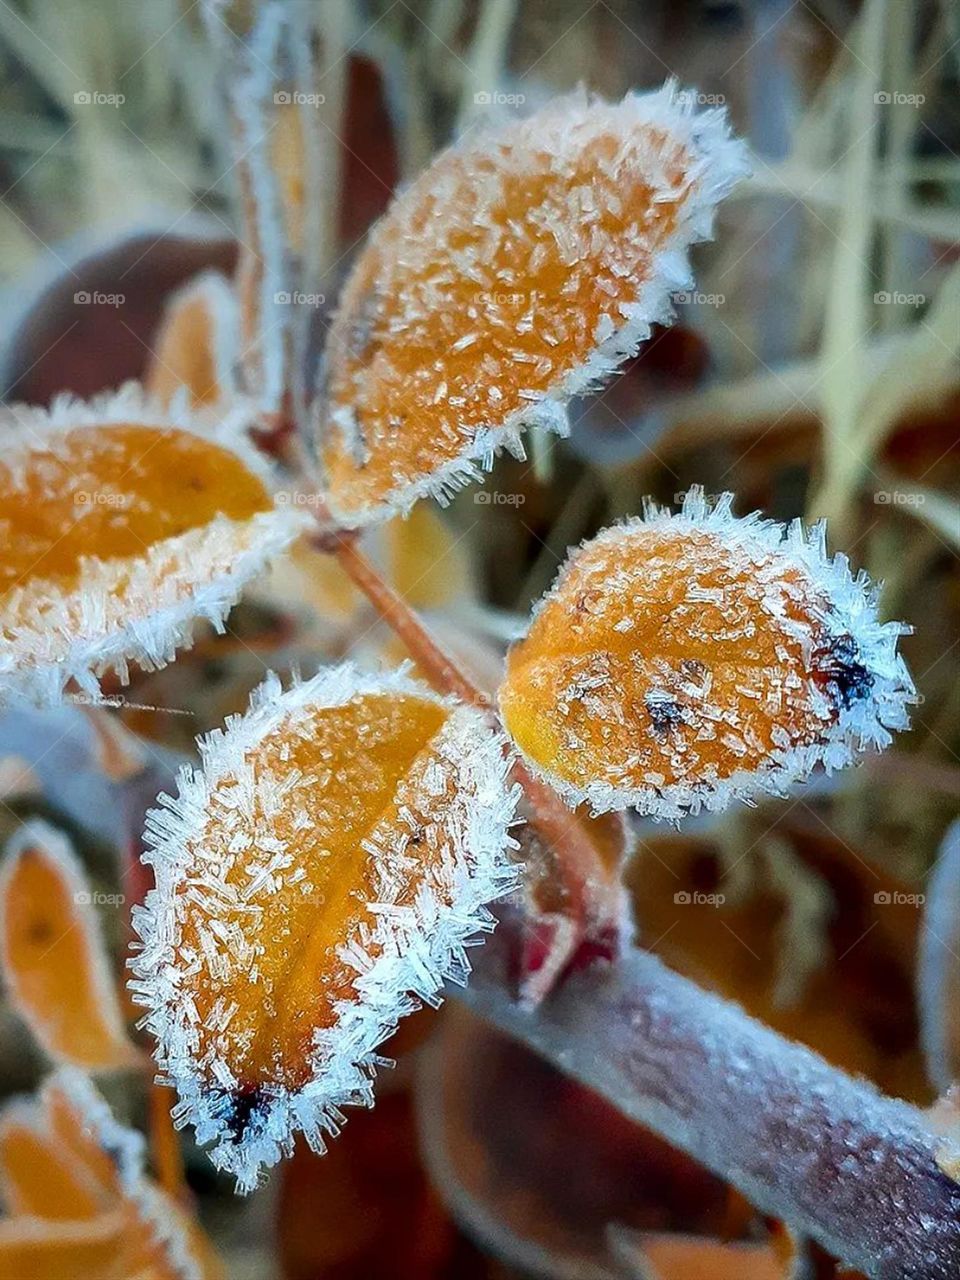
x=317, y=879
x=35, y=1249
x=522, y=266
x=426, y=564
x=664, y=1257
x=123, y=526
x=685, y=660
x=39, y=1175
x=53, y=956
x=64, y=1157
x=196, y=345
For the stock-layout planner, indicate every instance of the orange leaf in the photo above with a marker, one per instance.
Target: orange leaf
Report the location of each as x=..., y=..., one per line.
x=522, y=266
x=123, y=525
x=34, y=1249
x=53, y=955
x=158, y=1235
x=683, y=661
x=196, y=346
x=38, y=1175
x=667, y=1257
x=316, y=880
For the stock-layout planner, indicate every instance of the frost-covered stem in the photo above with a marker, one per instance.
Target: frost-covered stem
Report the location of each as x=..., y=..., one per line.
x=804, y=1142
x=576, y=856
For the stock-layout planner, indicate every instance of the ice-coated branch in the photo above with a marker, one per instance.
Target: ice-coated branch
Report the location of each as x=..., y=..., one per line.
x=804, y=1142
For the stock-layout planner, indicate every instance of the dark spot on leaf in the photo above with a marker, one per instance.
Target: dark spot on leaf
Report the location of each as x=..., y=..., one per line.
x=838, y=663
x=664, y=712
x=39, y=931
x=244, y=1105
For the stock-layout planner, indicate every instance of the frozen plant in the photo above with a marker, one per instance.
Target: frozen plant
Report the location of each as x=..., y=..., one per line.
x=324, y=869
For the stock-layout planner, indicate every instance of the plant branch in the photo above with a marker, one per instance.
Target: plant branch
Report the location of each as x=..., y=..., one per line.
x=578, y=859
x=804, y=1142
x=443, y=671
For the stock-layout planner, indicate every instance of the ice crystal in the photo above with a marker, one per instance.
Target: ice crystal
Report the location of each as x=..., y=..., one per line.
x=520, y=269
x=317, y=878
x=125, y=523
x=682, y=661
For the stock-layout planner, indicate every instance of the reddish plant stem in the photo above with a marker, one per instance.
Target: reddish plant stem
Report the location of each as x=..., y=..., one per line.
x=443, y=671
x=578, y=860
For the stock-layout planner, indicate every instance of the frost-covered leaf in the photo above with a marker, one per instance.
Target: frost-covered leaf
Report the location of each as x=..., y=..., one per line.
x=122, y=525
x=683, y=661
x=288, y=151
x=54, y=963
x=197, y=343
x=521, y=268
x=64, y=1160
x=939, y=965
x=317, y=878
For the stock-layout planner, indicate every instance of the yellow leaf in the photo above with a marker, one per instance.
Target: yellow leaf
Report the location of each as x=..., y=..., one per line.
x=316, y=880
x=53, y=956
x=428, y=566
x=525, y=264
x=122, y=526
